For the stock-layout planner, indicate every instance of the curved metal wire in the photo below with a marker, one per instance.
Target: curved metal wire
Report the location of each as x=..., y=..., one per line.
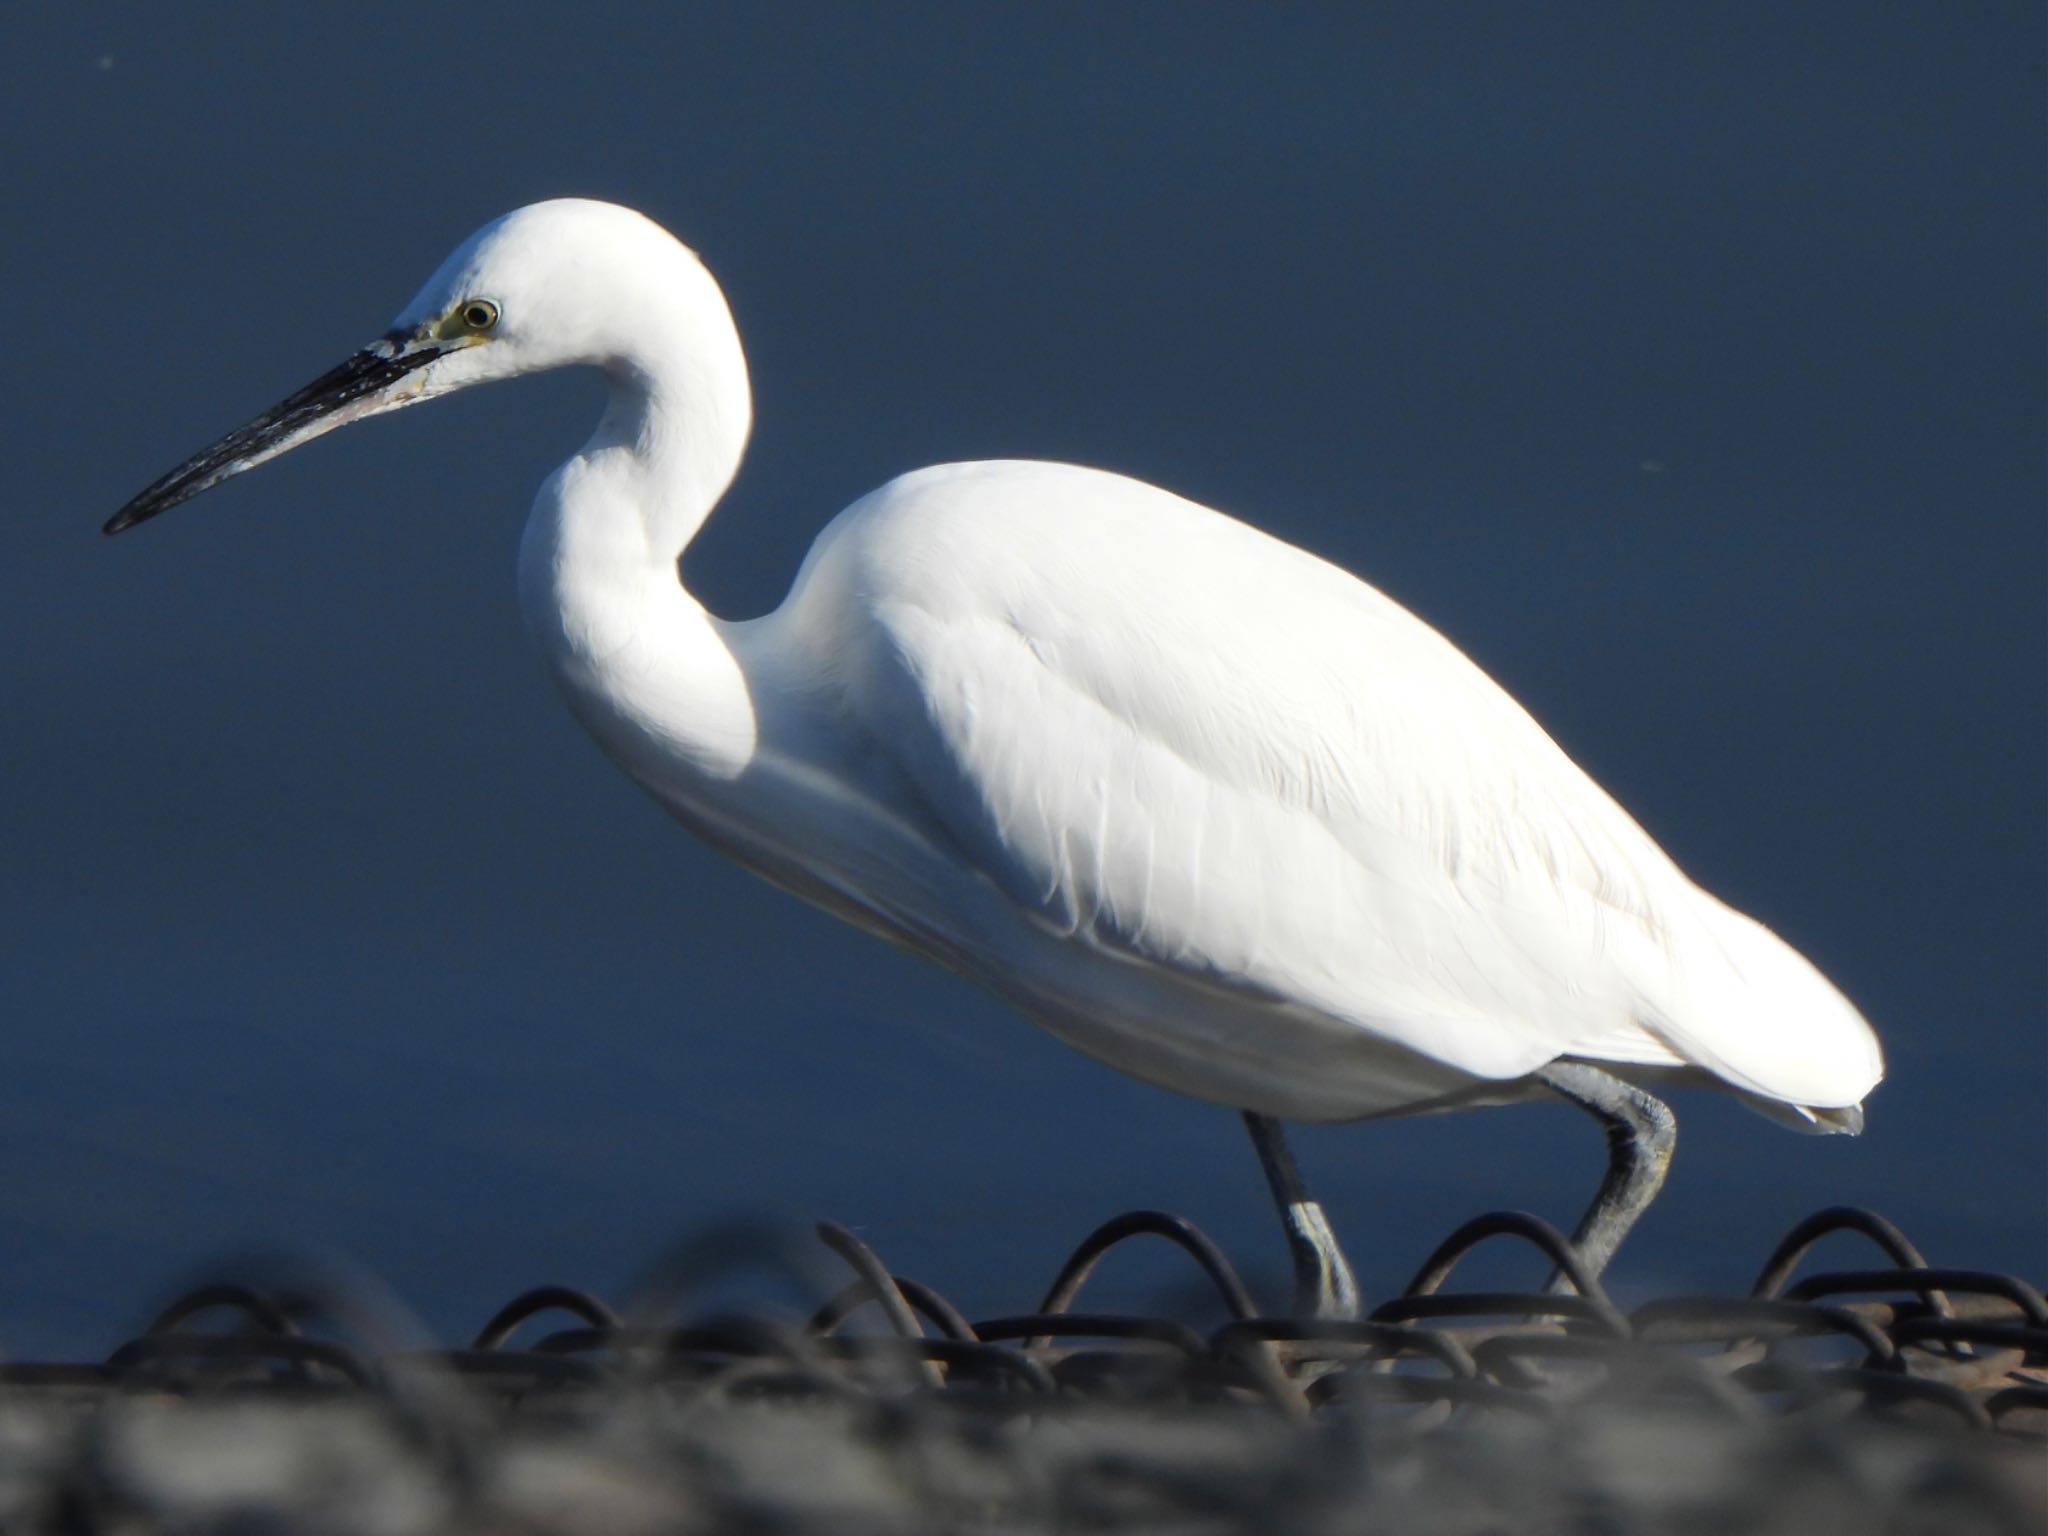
x=1836, y=1218
x=542, y=1298
x=1966, y=1346
x=1179, y=1231
x=1553, y=1244
x=257, y=1306
x=1930, y=1285
x=924, y=1301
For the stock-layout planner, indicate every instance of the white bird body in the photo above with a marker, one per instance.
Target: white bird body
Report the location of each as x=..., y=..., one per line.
x=1205, y=806
x=1209, y=808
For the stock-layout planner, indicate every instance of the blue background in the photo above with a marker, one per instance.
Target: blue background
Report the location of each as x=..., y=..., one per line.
x=1683, y=363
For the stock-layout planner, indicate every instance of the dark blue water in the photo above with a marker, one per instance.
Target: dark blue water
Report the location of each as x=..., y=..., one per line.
x=1685, y=367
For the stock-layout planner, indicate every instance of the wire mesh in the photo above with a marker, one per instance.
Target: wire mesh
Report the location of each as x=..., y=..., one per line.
x=1898, y=1397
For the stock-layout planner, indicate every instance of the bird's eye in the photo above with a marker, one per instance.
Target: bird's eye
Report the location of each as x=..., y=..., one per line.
x=479, y=314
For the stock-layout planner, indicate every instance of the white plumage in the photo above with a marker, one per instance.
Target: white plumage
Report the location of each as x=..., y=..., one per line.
x=1205, y=806
x=1186, y=758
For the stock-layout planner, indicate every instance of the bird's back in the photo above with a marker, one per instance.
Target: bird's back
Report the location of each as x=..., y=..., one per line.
x=1171, y=741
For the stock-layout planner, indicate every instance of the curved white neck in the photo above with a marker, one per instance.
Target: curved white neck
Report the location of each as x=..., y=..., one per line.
x=642, y=664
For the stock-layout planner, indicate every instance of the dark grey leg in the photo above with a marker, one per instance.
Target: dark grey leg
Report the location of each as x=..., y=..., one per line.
x=1323, y=1284
x=1641, y=1131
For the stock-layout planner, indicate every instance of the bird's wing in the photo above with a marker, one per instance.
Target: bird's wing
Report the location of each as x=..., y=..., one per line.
x=1167, y=734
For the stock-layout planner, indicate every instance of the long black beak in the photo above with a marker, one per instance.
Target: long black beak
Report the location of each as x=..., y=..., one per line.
x=340, y=395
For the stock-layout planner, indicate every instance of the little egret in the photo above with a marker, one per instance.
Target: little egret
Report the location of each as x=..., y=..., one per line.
x=1201, y=804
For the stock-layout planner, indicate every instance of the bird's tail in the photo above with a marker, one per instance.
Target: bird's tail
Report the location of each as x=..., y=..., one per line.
x=1759, y=1015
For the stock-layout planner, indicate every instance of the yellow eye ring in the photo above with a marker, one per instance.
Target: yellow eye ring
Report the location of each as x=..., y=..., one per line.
x=478, y=315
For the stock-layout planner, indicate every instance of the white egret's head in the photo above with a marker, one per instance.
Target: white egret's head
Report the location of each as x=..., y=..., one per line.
x=570, y=281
